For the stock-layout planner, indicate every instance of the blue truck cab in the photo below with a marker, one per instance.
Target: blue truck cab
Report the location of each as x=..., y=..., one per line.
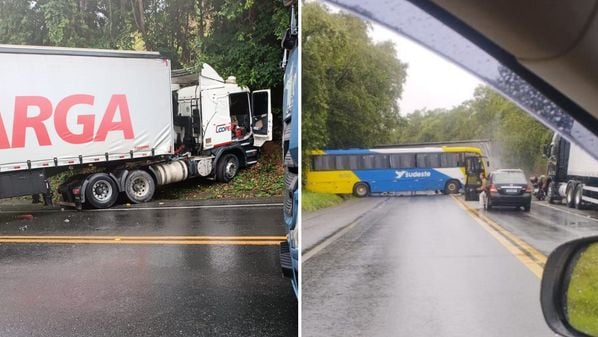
x=289, y=250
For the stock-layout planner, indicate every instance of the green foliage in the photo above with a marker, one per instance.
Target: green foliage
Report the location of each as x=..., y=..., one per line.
x=240, y=38
x=350, y=84
x=487, y=116
x=312, y=201
x=582, y=294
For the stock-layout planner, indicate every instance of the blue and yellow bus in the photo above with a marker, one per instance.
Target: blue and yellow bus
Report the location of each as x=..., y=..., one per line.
x=397, y=169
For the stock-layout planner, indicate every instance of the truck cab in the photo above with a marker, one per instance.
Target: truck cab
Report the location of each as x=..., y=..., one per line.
x=212, y=113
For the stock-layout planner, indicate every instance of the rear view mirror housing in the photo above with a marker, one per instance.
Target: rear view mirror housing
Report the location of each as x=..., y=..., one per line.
x=567, y=292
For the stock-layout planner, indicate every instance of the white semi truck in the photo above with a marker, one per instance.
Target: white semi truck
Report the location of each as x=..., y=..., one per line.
x=118, y=116
x=572, y=174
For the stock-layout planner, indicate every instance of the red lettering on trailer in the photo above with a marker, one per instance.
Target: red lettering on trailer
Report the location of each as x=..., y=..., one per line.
x=4, y=144
x=87, y=121
x=23, y=121
x=108, y=124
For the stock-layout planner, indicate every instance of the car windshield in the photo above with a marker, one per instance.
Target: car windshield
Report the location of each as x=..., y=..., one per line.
x=509, y=178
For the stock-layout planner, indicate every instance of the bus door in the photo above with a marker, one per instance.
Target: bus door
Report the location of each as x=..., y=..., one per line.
x=473, y=168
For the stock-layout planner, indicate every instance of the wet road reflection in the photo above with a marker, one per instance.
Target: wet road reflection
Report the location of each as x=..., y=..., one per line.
x=160, y=289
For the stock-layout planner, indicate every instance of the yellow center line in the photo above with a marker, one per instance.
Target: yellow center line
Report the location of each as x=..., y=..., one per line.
x=147, y=242
x=154, y=240
x=533, y=259
x=125, y=237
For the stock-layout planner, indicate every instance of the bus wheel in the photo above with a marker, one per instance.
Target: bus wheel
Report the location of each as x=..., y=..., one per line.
x=228, y=167
x=101, y=191
x=361, y=190
x=451, y=187
x=139, y=187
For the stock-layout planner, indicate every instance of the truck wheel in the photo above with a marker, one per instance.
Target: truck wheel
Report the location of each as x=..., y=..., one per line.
x=451, y=187
x=361, y=190
x=578, y=201
x=571, y=196
x=139, y=186
x=228, y=167
x=101, y=191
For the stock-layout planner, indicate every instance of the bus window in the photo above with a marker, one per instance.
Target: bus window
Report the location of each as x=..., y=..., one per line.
x=381, y=161
x=449, y=159
x=367, y=162
x=354, y=162
x=402, y=161
x=342, y=162
x=428, y=160
x=323, y=163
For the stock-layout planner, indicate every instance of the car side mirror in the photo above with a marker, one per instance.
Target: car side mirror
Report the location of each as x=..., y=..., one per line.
x=569, y=291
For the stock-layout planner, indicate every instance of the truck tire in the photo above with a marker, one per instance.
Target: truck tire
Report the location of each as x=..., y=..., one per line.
x=361, y=190
x=227, y=168
x=577, y=197
x=101, y=191
x=451, y=187
x=571, y=195
x=139, y=186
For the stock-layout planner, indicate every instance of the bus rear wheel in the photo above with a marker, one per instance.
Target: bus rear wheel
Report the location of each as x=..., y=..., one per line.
x=451, y=187
x=361, y=190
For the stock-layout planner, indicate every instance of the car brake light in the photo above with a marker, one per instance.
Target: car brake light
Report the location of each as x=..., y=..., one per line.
x=493, y=188
x=76, y=191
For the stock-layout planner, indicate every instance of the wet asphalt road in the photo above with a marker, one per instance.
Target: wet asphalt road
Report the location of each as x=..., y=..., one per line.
x=546, y=226
x=422, y=266
x=178, y=277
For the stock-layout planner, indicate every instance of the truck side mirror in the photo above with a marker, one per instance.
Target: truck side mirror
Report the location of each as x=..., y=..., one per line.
x=568, y=294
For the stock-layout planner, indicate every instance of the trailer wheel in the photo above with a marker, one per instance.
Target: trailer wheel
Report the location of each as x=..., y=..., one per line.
x=139, y=186
x=101, y=191
x=227, y=168
x=451, y=187
x=578, y=200
x=361, y=190
x=571, y=195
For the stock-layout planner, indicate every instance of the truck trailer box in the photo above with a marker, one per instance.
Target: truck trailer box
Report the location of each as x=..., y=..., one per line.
x=63, y=106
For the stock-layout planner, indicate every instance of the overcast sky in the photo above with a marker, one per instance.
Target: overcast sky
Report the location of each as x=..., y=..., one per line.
x=432, y=82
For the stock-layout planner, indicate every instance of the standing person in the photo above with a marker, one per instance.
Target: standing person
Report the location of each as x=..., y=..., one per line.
x=482, y=190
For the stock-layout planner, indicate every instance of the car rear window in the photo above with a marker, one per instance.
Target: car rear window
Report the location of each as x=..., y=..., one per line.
x=509, y=178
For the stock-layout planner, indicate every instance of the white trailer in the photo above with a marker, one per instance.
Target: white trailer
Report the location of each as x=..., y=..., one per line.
x=118, y=114
x=572, y=174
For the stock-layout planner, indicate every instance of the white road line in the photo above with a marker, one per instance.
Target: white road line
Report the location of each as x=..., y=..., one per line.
x=187, y=207
x=272, y=205
x=319, y=247
x=587, y=217
x=326, y=242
